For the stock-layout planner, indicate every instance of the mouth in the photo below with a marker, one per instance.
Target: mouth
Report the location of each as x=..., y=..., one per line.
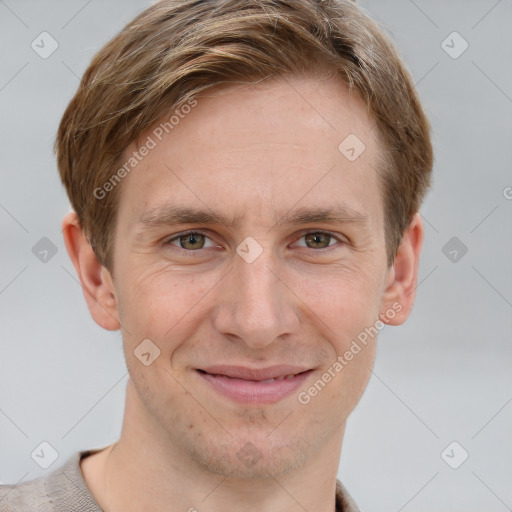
x=254, y=386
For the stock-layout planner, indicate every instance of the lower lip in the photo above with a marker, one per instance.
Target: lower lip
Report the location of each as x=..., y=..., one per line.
x=253, y=391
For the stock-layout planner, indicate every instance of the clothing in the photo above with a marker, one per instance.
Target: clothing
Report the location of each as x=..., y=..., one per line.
x=64, y=490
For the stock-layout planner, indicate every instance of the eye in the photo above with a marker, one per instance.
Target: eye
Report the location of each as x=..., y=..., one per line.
x=190, y=241
x=318, y=240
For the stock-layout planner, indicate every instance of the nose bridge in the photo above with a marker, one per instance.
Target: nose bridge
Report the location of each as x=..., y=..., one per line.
x=256, y=307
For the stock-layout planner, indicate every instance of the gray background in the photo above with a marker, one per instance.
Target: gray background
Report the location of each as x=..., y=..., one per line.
x=443, y=376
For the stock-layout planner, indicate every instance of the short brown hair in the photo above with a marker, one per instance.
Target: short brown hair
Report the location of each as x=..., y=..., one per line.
x=177, y=48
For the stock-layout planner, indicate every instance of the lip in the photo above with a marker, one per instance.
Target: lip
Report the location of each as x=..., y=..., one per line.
x=251, y=385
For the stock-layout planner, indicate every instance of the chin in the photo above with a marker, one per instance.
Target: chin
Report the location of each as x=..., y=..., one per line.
x=250, y=457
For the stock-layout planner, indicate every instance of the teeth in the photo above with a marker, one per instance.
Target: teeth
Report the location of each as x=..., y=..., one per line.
x=280, y=378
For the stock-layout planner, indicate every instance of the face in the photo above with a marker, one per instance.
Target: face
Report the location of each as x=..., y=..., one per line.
x=248, y=246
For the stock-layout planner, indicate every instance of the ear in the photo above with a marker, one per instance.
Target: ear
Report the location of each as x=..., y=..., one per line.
x=96, y=281
x=402, y=277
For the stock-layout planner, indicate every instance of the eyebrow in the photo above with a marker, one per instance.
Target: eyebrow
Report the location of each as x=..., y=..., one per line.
x=170, y=215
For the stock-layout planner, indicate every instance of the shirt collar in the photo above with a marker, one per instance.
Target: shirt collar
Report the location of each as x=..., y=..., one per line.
x=344, y=502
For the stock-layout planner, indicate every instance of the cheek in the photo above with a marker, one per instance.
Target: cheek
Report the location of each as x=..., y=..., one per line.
x=334, y=394
x=345, y=300
x=354, y=377
x=348, y=303
x=161, y=303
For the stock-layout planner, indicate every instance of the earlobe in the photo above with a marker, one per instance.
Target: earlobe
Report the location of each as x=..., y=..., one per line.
x=401, y=280
x=95, y=279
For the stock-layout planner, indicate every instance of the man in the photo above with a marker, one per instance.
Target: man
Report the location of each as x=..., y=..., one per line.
x=245, y=179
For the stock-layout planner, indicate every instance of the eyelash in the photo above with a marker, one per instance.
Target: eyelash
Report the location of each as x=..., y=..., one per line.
x=191, y=252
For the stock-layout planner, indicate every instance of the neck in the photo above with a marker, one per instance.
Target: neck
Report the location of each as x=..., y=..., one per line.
x=144, y=470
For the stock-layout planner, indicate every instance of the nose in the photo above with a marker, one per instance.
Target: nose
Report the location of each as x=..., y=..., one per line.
x=257, y=306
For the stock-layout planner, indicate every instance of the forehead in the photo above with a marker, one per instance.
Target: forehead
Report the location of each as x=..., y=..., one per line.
x=257, y=151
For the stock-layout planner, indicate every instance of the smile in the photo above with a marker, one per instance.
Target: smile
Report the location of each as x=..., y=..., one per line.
x=252, y=386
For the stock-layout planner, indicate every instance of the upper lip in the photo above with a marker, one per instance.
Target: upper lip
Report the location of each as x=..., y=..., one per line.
x=242, y=372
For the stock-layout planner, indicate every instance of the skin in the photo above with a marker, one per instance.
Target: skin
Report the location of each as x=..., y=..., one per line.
x=254, y=153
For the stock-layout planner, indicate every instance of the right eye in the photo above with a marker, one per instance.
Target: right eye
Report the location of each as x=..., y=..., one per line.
x=190, y=241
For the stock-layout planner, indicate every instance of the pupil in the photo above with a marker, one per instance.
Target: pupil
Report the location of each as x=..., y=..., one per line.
x=191, y=240
x=316, y=239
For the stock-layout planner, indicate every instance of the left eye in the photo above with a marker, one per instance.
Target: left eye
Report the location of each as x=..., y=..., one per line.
x=318, y=240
